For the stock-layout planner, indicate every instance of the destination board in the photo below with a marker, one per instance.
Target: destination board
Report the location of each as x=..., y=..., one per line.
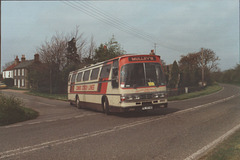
x=142, y=58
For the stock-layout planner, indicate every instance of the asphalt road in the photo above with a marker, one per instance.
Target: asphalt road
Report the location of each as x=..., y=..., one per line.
x=177, y=132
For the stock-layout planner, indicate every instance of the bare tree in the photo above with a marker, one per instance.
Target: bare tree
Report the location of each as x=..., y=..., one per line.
x=209, y=59
x=56, y=53
x=192, y=64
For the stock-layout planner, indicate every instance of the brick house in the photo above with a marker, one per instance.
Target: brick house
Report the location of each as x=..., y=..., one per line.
x=20, y=72
x=8, y=72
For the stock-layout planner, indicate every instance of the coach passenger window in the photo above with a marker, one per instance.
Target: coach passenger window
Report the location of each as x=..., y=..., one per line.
x=69, y=78
x=115, y=74
x=79, y=76
x=94, y=74
x=105, y=71
x=86, y=75
x=73, y=78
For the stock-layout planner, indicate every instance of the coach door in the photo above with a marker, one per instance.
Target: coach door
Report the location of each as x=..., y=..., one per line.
x=115, y=74
x=72, y=82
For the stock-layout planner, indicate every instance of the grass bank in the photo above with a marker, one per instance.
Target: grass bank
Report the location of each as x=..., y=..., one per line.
x=208, y=90
x=62, y=97
x=12, y=111
x=228, y=150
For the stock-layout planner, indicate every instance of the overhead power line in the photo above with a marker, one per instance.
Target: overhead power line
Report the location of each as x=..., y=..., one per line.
x=93, y=11
x=105, y=20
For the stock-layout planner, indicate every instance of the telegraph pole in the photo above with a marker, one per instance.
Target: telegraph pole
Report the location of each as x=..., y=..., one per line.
x=155, y=48
x=202, y=67
x=0, y=35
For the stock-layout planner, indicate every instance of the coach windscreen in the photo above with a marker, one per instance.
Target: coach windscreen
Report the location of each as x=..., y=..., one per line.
x=142, y=75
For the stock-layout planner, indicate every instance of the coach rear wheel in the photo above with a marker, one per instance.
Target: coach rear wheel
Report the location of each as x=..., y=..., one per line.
x=106, y=106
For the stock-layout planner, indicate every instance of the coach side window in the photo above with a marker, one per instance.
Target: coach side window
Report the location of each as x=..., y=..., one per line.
x=86, y=75
x=69, y=78
x=73, y=78
x=115, y=74
x=94, y=74
x=105, y=71
x=79, y=77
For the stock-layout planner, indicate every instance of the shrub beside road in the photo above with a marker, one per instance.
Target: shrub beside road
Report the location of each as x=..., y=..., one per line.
x=208, y=90
x=12, y=111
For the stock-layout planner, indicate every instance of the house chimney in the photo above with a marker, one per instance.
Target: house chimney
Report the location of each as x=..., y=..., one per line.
x=16, y=60
x=36, y=57
x=23, y=58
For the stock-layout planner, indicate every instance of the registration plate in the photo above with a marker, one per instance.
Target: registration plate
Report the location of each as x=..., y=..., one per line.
x=147, y=107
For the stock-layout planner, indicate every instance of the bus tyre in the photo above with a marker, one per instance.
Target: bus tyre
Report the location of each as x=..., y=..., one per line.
x=78, y=103
x=106, y=106
x=165, y=105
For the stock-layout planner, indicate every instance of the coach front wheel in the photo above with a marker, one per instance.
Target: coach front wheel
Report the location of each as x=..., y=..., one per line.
x=106, y=106
x=78, y=103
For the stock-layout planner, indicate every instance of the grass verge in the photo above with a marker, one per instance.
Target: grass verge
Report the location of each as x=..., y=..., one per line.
x=229, y=149
x=208, y=90
x=62, y=97
x=12, y=111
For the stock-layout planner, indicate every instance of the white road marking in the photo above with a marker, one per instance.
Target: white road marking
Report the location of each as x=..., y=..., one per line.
x=213, y=144
x=50, y=120
x=35, y=122
x=27, y=149
x=16, y=125
x=53, y=105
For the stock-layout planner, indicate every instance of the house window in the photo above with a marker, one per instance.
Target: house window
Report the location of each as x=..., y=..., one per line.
x=22, y=72
x=23, y=84
x=9, y=74
x=15, y=72
x=19, y=72
x=15, y=81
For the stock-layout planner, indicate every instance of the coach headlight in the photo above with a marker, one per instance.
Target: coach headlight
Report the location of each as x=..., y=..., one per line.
x=162, y=95
x=155, y=95
x=158, y=95
x=137, y=97
x=129, y=98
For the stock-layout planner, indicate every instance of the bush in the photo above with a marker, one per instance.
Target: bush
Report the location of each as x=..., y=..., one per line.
x=12, y=111
x=8, y=81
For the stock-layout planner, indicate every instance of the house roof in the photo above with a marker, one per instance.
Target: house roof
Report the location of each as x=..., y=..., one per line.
x=9, y=68
x=24, y=64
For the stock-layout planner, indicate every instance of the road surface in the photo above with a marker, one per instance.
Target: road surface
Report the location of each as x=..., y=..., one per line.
x=184, y=130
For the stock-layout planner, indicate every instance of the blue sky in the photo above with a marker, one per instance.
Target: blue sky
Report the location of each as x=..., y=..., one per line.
x=177, y=26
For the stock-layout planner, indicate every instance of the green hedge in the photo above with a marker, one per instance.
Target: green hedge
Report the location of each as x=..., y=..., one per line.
x=12, y=111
